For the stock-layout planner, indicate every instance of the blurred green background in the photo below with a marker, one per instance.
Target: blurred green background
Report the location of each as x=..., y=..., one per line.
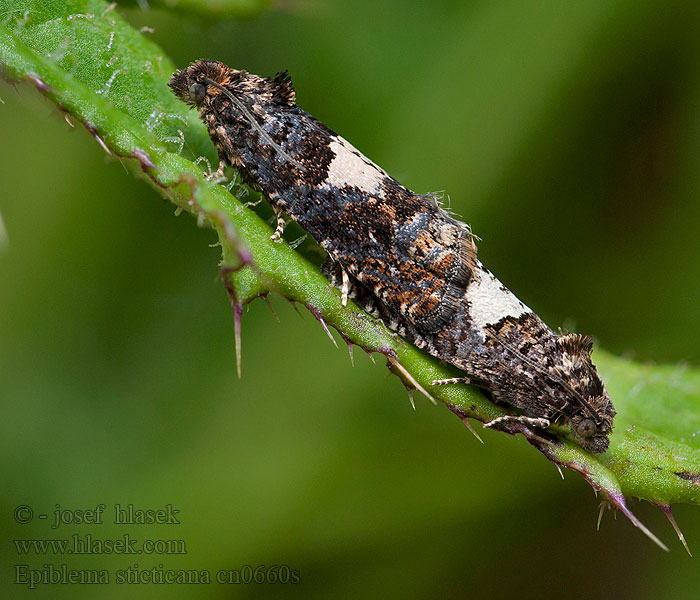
x=567, y=134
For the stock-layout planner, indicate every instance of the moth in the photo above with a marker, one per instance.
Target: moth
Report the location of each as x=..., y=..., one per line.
x=398, y=253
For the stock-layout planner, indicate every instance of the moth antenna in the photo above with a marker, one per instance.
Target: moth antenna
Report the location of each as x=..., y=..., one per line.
x=253, y=122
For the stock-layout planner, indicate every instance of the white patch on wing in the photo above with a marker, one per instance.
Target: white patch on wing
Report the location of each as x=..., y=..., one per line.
x=350, y=167
x=489, y=300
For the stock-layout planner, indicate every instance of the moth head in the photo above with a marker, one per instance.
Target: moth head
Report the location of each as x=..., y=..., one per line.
x=192, y=85
x=197, y=92
x=205, y=81
x=591, y=411
x=592, y=431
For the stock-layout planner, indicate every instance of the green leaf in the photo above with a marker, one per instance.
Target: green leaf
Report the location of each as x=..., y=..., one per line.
x=96, y=68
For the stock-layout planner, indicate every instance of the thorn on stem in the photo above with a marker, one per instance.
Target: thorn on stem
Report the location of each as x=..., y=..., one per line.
x=143, y=157
x=667, y=511
x=559, y=469
x=603, y=505
x=319, y=317
x=237, y=317
x=408, y=377
x=463, y=417
x=97, y=137
x=237, y=308
x=619, y=501
x=471, y=429
x=347, y=340
x=294, y=306
x=39, y=83
x=269, y=305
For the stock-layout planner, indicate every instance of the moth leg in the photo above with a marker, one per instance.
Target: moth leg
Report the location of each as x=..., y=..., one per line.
x=281, y=224
x=339, y=278
x=452, y=380
x=529, y=421
x=345, y=289
x=219, y=173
